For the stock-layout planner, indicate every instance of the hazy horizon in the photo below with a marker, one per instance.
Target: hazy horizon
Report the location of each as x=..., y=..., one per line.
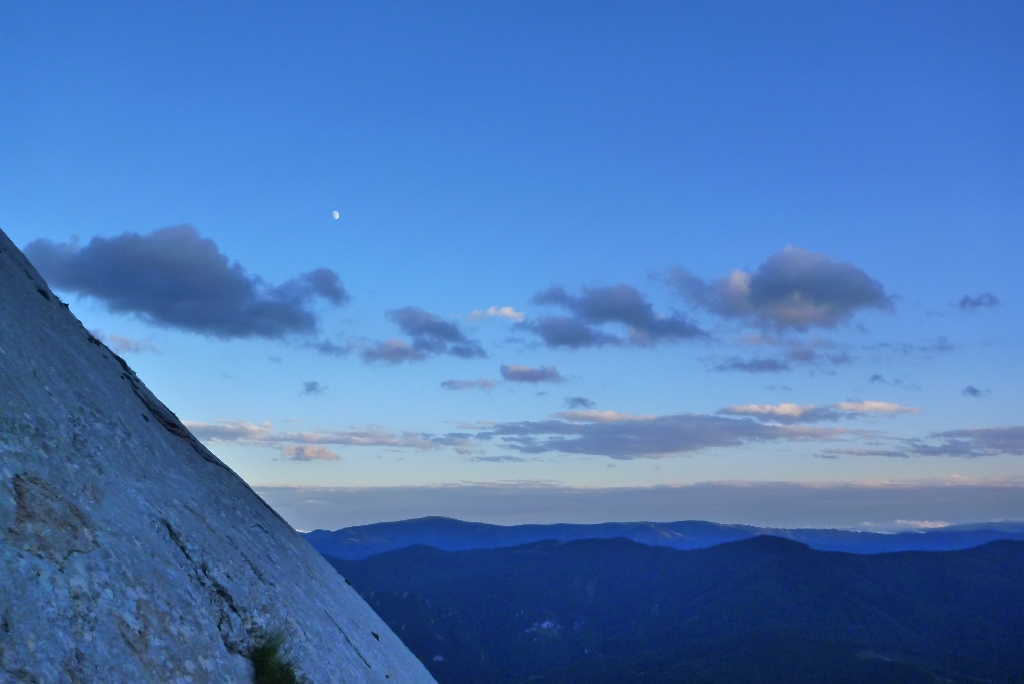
x=864, y=506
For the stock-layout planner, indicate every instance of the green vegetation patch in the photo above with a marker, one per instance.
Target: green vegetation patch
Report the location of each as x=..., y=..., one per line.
x=270, y=667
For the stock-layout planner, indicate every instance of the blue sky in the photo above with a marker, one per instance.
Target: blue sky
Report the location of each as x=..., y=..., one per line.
x=786, y=237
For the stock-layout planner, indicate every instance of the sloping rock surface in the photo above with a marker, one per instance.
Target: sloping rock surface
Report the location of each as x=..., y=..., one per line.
x=128, y=551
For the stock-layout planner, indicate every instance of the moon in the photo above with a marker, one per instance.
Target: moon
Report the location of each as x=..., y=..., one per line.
x=336, y=215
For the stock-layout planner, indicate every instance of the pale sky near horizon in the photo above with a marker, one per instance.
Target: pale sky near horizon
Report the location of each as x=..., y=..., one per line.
x=580, y=245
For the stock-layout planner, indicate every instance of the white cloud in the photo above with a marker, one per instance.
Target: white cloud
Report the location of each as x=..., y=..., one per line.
x=809, y=413
x=120, y=344
x=500, y=311
x=308, y=452
x=595, y=416
x=359, y=437
x=230, y=431
x=874, y=407
x=792, y=411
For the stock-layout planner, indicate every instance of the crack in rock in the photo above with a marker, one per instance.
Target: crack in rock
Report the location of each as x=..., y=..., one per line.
x=164, y=415
x=349, y=641
x=231, y=623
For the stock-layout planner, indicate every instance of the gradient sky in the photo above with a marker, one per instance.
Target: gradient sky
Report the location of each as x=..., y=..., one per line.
x=582, y=247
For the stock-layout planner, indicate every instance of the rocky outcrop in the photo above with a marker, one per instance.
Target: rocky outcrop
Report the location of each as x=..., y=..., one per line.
x=128, y=551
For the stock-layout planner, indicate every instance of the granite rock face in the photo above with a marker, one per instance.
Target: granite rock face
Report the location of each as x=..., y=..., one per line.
x=128, y=551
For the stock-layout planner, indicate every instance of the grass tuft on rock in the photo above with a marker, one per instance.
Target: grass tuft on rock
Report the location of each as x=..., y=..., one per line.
x=269, y=665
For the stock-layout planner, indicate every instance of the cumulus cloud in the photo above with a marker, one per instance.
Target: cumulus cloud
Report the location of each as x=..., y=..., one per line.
x=515, y=373
x=459, y=385
x=499, y=311
x=597, y=306
x=307, y=452
x=809, y=413
x=985, y=300
x=563, y=331
x=579, y=403
x=431, y=335
x=793, y=289
x=174, y=278
x=313, y=387
x=623, y=436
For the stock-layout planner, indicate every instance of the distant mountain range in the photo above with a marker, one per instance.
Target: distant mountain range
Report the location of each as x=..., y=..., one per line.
x=760, y=610
x=354, y=543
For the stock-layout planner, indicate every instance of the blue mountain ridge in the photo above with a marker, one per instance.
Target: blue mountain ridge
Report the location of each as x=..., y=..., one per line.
x=759, y=610
x=449, y=534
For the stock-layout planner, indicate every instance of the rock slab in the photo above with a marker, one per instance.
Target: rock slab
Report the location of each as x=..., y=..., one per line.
x=128, y=551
